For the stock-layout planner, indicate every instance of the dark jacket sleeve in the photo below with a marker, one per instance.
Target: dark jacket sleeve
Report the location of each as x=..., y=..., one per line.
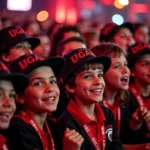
x=67, y=121
x=23, y=136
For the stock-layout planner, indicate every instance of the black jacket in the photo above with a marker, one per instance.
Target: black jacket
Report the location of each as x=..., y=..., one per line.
x=66, y=120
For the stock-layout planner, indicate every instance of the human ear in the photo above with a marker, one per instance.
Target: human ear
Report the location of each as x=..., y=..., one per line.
x=69, y=88
x=20, y=99
x=5, y=57
x=132, y=72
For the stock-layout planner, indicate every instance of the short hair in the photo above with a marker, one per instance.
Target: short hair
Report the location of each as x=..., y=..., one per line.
x=60, y=47
x=110, y=49
x=71, y=81
x=58, y=36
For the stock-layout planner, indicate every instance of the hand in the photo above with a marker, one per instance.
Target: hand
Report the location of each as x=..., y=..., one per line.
x=141, y=114
x=72, y=140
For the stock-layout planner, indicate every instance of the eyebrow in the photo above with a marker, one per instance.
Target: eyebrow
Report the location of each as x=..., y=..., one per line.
x=40, y=78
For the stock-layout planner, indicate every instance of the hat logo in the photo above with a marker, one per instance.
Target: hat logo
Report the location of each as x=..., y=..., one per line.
x=81, y=54
x=15, y=32
x=139, y=47
x=29, y=60
x=108, y=28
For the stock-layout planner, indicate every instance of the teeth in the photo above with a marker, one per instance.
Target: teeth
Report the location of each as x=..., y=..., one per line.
x=52, y=98
x=98, y=90
x=49, y=99
x=5, y=114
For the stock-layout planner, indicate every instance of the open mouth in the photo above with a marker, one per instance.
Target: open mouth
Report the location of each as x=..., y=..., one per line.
x=125, y=80
x=5, y=116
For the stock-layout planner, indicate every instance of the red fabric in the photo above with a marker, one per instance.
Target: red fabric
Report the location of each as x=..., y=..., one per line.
x=82, y=119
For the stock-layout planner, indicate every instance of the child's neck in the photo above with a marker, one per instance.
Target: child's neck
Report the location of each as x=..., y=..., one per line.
x=110, y=96
x=38, y=118
x=89, y=110
x=143, y=90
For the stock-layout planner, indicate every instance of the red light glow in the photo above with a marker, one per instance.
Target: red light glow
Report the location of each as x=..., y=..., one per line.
x=139, y=8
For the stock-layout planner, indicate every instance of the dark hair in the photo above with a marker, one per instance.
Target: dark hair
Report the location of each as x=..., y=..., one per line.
x=58, y=37
x=60, y=47
x=138, y=25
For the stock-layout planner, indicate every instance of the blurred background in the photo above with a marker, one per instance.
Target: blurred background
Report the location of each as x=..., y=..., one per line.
x=70, y=11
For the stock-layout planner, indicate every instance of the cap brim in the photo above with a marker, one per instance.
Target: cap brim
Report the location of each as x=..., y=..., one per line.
x=134, y=58
x=19, y=81
x=127, y=25
x=56, y=63
x=33, y=41
x=104, y=60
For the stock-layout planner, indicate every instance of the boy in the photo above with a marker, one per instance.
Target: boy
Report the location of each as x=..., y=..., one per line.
x=70, y=44
x=14, y=42
x=139, y=64
x=83, y=80
x=40, y=98
x=119, y=34
x=9, y=85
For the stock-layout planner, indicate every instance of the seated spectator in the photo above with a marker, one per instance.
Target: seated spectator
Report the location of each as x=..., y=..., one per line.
x=14, y=42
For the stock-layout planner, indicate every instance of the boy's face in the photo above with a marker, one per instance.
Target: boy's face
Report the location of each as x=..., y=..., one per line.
x=142, y=34
x=42, y=94
x=89, y=86
x=68, y=47
x=69, y=34
x=124, y=38
x=141, y=70
x=117, y=77
x=44, y=48
x=7, y=103
x=18, y=50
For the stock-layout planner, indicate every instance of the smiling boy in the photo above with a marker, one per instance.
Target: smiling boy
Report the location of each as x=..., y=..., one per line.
x=84, y=83
x=9, y=86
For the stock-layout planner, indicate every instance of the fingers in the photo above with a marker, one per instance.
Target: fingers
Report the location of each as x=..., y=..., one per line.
x=73, y=137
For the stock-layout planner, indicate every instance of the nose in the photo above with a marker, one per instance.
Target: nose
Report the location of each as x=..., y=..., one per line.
x=131, y=40
x=8, y=102
x=28, y=51
x=49, y=88
x=98, y=81
x=125, y=69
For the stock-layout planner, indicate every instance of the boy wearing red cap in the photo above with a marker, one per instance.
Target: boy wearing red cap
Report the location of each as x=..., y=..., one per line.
x=139, y=64
x=9, y=86
x=119, y=34
x=84, y=83
x=14, y=42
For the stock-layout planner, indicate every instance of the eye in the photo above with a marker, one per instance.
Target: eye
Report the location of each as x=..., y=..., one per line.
x=145, y=64
x=28, y=46
x=12, y=95
x=100, y=75
x=87, y=76
x=19, y=46
x=1, y=93
x=117, y=66
x=126, y=64
x=53, y=81
x=37, y=83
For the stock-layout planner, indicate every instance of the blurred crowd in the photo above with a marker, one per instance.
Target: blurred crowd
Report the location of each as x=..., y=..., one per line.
x=74, y=87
